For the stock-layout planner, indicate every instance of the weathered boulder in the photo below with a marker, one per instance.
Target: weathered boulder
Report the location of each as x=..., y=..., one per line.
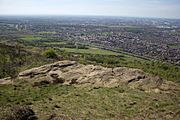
x=72, y=73
x=5, y=81
x=45, y=69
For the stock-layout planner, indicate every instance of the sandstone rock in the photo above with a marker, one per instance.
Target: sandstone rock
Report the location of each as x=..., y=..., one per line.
x=71, y=73
x=5, y=81
x=45, y=69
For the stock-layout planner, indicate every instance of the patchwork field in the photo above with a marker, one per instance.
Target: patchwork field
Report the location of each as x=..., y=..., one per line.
x=174, y=46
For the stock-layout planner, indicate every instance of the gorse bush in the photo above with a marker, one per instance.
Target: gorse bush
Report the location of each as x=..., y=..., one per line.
x=50, y=53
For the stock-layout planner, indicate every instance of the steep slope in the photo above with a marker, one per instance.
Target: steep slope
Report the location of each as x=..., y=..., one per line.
x=71, y=73
x=68, y=90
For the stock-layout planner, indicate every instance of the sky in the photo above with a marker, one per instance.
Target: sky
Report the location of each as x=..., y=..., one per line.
x=133, y=8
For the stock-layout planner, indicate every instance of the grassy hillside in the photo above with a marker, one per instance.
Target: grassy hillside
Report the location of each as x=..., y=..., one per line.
x=113, y=59
x=15, y=58
x=20, y=59
x=89, y=103
x=68, y=102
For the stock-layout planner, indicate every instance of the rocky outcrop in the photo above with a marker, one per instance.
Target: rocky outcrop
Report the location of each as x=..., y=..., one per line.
x=71, y=73
x=45, y=69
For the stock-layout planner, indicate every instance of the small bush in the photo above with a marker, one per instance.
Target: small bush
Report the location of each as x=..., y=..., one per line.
x=50, y=53
x=21, y=113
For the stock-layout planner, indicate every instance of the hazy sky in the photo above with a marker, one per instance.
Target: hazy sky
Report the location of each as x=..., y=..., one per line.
x=139, y=8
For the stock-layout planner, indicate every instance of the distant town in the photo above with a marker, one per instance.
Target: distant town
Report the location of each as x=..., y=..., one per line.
x=150, y=38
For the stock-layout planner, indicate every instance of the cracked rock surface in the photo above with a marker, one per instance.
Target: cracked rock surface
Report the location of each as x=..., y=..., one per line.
x=72, y=73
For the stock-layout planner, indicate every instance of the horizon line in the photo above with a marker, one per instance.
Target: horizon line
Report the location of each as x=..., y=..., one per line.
x=64, y=15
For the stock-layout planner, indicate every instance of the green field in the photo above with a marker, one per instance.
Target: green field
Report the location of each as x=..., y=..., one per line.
x=175, y=33
x=90, y=51
x=174, y=46
x=54, y=43
x=46, y=32
x=31, y=37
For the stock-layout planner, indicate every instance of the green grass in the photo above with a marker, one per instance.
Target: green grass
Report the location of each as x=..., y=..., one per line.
x=167, y=71
x=175, y=33
x=174, y=46
x=54, y=43
x=89, y=51
x=31, y=37
x=46, y=32
x=92, y=103
x=24, y=60
x=164, y=70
